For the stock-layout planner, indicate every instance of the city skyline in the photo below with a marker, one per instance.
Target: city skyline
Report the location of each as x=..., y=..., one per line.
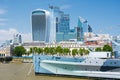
x=15, y=16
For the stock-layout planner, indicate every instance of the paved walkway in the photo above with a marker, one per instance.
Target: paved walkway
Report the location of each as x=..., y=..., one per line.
x=24, y=71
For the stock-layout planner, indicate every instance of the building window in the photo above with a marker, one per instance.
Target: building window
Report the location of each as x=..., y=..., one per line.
x=107, y=54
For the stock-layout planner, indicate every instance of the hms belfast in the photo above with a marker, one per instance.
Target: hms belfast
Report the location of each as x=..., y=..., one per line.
x=96, y=64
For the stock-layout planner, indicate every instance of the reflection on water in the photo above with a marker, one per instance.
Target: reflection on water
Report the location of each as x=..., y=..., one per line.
x=24, y=71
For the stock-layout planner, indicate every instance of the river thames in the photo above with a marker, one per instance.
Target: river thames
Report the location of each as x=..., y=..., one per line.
x=25, y=71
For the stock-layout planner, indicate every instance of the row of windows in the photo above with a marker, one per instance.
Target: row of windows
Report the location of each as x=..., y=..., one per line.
x=1, y=55
x=65, y=45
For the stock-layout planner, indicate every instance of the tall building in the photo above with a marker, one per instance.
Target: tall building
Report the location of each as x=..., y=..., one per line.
x=40, y=25
x=64, y=23
x=82, y=28
x=59, y=23
x=17, y=39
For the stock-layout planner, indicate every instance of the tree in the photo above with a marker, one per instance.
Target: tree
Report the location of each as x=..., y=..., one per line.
x=107, y=48
x=52, y=50
x=19, y=51
x=83, y=51
x=31, y=50
x=80, y=51
x=34, y=49
x=39, y=50
x=66, y=51
x=74, y=52
x=86, y=52
x=59, y=50
x=98, y=49
x=46, y=50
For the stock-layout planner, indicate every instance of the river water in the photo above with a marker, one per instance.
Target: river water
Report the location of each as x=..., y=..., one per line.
x=25, y=71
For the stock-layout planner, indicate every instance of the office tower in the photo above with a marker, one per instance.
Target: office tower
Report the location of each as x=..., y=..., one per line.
x=64, y=23
x=17, y=39
x=82, y=27
x=59, y=23
x=40, y=25
x=54, y=23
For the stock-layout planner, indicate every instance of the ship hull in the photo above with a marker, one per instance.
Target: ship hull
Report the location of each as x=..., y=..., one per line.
x=74, y=66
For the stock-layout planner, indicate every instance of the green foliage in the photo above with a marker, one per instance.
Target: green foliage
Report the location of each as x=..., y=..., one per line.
x=46, y=50
x=98, y=49
x=74, y=52
x=83, y=51
x=107, y=48
x=34, y=49
x=31, y=50
x=39, y=50
x=80, y=51
x=66, y=51
x=52, y=50
x=86, y=52
x=59, y=50
x=19, y=51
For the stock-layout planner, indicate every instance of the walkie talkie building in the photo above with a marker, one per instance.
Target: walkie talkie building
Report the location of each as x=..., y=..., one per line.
x=40, y=25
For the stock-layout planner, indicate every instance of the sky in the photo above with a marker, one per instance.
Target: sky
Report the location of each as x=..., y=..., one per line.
x=102, y=15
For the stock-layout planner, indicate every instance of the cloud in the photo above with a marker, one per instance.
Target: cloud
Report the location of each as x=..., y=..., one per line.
x=3, y=21
x=65, y=7
x=8, y=34
x=2, y=11
x=26, y=37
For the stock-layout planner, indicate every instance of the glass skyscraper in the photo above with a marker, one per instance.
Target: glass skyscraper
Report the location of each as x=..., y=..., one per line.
x=64, y=23
x=40, y=25
x=59, y=24
x=82, y=27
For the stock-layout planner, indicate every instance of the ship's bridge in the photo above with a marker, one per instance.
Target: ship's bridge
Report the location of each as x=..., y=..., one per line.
x=100, y=54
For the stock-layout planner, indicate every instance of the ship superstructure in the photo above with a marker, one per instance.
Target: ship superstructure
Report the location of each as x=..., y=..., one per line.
x=96, y=64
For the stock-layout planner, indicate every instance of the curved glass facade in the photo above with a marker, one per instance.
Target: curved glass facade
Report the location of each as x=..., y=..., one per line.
x=37, y=12
x=40, y=25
